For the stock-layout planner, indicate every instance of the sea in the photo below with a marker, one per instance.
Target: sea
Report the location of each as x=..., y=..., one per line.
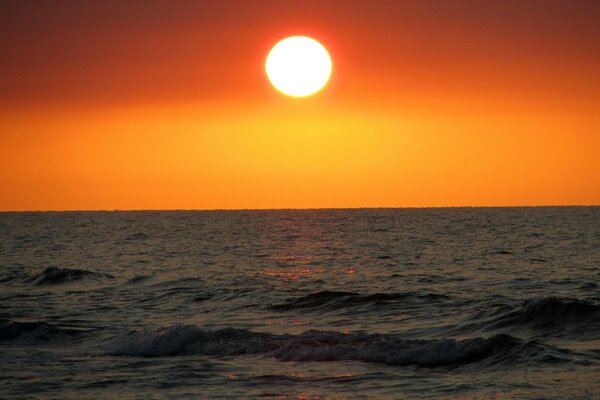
x=430, y=303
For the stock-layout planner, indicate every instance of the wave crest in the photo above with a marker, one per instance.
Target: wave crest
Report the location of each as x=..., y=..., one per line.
x=55, y=275
x=32, y=332
x=317, y=346
x=548, y=313
x=335, y=300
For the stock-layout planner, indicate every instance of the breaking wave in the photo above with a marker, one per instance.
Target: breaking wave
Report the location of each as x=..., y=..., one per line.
x=323, y=346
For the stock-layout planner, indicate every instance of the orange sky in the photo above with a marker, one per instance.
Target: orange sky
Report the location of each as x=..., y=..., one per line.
x=165, y=105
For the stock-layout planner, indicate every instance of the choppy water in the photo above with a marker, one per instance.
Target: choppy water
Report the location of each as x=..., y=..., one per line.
x=405, y=303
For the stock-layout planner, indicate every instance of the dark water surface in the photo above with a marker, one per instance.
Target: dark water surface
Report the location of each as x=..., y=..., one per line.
x=380, y=303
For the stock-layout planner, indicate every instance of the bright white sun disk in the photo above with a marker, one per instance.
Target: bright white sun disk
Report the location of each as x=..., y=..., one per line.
x=298, y=66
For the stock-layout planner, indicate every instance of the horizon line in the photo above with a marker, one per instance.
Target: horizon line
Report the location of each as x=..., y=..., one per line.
x=296, y=208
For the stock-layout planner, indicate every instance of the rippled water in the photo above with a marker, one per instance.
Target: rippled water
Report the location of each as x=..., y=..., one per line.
x=390, y=303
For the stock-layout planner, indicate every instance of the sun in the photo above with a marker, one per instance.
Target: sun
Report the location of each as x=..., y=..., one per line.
x=298, y=66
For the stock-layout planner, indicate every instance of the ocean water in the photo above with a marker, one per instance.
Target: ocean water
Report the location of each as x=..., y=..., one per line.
x=351, y=304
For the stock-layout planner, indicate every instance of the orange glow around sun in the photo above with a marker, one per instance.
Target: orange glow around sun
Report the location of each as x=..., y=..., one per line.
x=429, y=105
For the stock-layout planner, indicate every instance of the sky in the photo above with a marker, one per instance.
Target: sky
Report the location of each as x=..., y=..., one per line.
x=166, y=105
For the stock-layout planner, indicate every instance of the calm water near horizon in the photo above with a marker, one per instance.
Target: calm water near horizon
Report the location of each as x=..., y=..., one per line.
x=351, y=304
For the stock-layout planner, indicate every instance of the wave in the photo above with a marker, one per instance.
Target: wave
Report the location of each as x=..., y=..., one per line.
x=12, y=273
x=324, y=346
x=32, y=332
x=138, y=279
x=55, y=275
x=336, y=300
x=549, y=314
x=137, y=236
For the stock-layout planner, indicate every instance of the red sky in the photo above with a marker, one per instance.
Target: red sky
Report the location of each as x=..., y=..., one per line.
x=165, y=104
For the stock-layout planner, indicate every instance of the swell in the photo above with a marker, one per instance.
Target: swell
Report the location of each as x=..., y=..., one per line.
x=543, y=317
x=549, y=313
x=326, y=346
x=55, y=276
x=33, y=332
x=337, y=300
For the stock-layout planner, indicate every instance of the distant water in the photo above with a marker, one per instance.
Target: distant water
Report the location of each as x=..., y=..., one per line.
x=357, y=304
